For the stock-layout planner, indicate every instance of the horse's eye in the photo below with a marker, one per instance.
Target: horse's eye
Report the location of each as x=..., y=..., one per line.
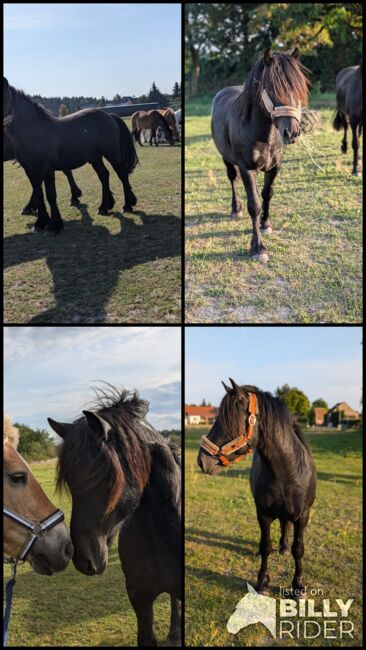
x=20, y=478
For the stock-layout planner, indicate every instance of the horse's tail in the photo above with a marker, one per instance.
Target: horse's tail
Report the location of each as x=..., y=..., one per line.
x=128, y=151
x=339, y=121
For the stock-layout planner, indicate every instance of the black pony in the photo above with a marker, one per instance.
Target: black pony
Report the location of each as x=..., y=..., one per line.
x=251, y=124
x=349, y=109
x=283, y=476
x=32, y=206
x=125, y=477
x=45, y=143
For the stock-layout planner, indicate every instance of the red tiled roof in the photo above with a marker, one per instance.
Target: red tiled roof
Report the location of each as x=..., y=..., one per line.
x=203, y=411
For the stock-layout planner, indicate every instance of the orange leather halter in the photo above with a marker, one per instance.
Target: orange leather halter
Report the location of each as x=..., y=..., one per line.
x=234, y=445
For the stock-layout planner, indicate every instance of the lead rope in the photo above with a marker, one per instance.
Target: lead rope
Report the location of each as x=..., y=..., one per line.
x=9, y=598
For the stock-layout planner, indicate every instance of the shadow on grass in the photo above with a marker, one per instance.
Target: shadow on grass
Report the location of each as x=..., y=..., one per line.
x=85, y=260
x=206, y=538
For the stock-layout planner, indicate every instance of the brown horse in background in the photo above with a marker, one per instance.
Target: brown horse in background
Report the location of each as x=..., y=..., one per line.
x=150, y=120
x=169, y=115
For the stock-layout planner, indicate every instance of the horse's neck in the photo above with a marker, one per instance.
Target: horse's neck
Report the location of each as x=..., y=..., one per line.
x=264, y=128
x=282, y=453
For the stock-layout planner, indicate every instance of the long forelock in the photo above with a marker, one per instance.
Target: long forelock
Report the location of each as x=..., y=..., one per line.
x=284, y=80
x=11, y=433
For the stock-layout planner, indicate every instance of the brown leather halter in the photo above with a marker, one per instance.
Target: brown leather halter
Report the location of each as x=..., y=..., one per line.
x=280, y=111
x=234, y=445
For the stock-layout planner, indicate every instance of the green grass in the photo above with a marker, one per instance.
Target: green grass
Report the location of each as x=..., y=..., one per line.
x=121, y=268
x=314, y=272
x=70, y=609
x=222, y=539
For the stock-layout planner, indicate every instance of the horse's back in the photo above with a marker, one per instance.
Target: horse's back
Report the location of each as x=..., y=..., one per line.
x=222, y=104
x=349, y=91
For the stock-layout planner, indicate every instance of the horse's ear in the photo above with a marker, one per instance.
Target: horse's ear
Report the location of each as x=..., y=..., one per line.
x=268, y=56
x=61, y=428
x=100, y=426
x=296, y=53
x=228, y=390
x=237, y=389
x=6, y=84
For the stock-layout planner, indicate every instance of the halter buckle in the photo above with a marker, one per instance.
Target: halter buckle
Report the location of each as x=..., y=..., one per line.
x=252, y=420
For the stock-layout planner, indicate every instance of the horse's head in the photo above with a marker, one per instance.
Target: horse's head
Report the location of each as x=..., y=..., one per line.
x=23, y=497
x=283, y=89
x=233, y=433
x=105, y=468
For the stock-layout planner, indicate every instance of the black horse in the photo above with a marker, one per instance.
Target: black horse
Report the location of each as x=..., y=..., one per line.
x=124, y=476
x=251, y=124
x=283, y=476
x=349, y=109
x=32, y=207
x=45, y=143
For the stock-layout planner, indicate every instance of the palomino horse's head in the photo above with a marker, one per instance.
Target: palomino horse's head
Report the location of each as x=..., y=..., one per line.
x=234, y=432
x=52, y=550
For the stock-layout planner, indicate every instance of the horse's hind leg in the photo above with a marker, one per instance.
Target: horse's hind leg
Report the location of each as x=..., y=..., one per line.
x=267, y=194
x=297, y=549
x=42, y=216
x=355, y=146
x=265, y=548
x=344, y=144
x=236, y=206
x=130, y=198
x=107, y=196
x=142, y=603
x=285, y=529
x=75, y=190
x=175, y=633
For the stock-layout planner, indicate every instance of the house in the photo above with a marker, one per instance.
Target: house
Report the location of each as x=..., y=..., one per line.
x=195, y=415
x=341, y=414
x=319, y=416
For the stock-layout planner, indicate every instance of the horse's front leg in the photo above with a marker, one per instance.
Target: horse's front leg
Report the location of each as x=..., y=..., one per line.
x=267, y=194
x=297, y=549
x=258, y=250
x=43, y=219
x=265, y=548
x=56, y=222
x=355, y=146
x=174, y=637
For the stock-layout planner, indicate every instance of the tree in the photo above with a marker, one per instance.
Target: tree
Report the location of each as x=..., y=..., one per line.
x=156, y=96
x=295, y=400
x=102, y=102
x=203, y=403
x=63, y=110
x=35, y=444
x=176, y=91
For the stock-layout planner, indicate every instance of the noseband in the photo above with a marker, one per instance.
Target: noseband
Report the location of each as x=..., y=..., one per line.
x=37, y=530
x=236, y=444
x=280, y=111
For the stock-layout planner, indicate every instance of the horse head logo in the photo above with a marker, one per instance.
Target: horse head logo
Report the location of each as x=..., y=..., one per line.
x=253, y=608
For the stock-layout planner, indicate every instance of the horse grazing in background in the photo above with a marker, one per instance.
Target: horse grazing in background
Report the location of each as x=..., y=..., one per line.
x=125, y=477
x=169, y=115
x=34, y=531
x=349, y=109
x=45, y=143
x=150, y=120
x=282, y=477
x=251, y=124
x=32, y=206
x=178, y=119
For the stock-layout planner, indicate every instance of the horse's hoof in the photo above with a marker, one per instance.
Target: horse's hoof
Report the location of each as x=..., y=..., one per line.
x=267, y=231
x=127, y=208
x=260, y=257
x=55, y=229
x=356, y=174
x=236, y=215
x=28, y=211
x=74, y=202
x=38, y=228
x=264, y=591
x=284, y=551
x=103, y=211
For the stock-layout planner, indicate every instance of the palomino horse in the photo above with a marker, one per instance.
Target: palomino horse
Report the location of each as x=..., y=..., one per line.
x=349, y=109
x=32, y=207
x=282, y=477
x=34, y=531
x=45, y=143
x=125, y=478
x=250, y=124
x=150, y=120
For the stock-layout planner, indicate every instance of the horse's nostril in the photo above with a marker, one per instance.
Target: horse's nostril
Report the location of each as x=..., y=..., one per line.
x=69, y=550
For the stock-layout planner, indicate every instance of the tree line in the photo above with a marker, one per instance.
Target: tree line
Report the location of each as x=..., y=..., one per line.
x=223, y=40
x=65, y=105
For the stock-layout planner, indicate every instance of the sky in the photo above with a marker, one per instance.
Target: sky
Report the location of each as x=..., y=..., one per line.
x=92, y=49
x=49, y=371
x=323, y=362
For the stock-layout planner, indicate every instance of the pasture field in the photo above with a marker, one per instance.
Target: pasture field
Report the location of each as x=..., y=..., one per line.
x=315, y=252
x=121, y=268
x=222, y=539
x=70, y=609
